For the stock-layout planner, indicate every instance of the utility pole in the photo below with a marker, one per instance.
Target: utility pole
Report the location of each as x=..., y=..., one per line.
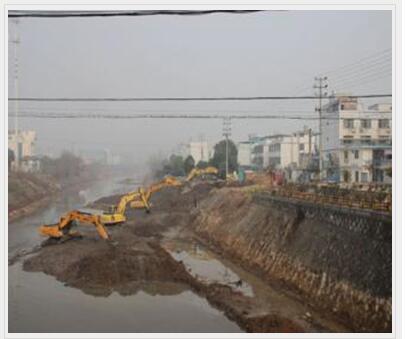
x=226, y=132
x=16, y=41
x=320, y=85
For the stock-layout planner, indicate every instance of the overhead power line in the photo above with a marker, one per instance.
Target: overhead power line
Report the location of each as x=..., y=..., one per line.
x=171, y=116
x=194, y=98
x=384, y=54
x=78, y=14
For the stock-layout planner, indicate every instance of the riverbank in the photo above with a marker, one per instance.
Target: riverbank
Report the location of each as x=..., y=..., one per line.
x=28, y=192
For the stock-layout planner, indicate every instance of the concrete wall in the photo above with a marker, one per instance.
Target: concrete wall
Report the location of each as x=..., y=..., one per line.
x=244, y=154
x=338, y=260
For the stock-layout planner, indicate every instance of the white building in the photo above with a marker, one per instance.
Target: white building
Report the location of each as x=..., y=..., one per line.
x=356, y=142
x=261, y=153
x=281, y=151
x=246, y=155
x=23, y=145
x=245, y=149
x=295, y=150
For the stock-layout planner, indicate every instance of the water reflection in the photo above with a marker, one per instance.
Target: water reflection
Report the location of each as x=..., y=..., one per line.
x=39, y=303
x=203, y=265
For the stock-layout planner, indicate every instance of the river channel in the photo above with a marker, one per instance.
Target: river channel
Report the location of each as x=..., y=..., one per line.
x=39, y=303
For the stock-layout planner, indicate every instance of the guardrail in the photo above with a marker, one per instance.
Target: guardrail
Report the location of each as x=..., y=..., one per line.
x=344, y=201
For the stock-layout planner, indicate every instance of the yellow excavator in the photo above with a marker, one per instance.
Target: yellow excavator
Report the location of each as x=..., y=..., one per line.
x=166, y=182
x=136, y=199
x=116, y=214
x=195, y=172
x=63, y=229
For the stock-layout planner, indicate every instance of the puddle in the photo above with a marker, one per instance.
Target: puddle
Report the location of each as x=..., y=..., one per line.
x=203, y=265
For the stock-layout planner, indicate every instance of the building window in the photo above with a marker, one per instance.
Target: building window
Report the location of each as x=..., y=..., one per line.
x=365, y=123
x=356, y=154
x=357, y=176
x=366, y=139
x=302, y=147
x=384, y=140
x=364, y=177
x=346, y=176
x=383, y=123
x=346, y=155
x=347, y=139
x=348, y=123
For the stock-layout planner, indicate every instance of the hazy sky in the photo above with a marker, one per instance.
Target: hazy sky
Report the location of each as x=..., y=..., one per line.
x=268, y=53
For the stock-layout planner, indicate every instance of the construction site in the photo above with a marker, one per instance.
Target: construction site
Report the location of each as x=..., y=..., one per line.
x=267, y=263
x=167, y=175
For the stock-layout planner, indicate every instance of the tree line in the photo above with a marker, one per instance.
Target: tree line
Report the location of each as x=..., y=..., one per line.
x=178, y=165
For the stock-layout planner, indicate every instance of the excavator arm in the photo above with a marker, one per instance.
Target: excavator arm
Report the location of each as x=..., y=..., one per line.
x=63, y=227
x=117, y=214
x=195, y=172
x=144, y=199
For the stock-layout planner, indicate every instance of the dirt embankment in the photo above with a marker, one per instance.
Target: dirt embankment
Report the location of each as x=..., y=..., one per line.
x=344, y=270
x=28, y=192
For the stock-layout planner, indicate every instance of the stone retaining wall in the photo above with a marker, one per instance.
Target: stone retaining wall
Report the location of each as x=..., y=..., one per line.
x=338, y=259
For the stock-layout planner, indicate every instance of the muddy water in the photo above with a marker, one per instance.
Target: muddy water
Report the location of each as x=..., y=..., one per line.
x=39, y=303
x=22, y=234
x=204, y=266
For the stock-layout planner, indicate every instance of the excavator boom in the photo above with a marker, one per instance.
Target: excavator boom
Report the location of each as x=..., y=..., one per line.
x=197, y=172
x=144, y=199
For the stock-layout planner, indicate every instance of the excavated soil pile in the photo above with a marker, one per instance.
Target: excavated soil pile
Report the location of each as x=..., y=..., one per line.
x=99, y=268
x=171, y=206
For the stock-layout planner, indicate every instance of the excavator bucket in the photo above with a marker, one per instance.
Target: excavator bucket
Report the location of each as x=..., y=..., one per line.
x=55, y=235
x=51, y=231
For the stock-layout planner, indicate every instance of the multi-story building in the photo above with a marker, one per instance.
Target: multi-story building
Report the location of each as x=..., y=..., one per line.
x=246, y=155
x=356, y=142
x=22, y=144
x=279, y=151
x=261, y=150
x=295, y=150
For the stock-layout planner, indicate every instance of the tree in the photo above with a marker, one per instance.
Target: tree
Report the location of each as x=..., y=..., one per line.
x=219, y=158
x=202, y=164
x=189, y=164
x=176, y=165
x=66, y=166
x=11, y=157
